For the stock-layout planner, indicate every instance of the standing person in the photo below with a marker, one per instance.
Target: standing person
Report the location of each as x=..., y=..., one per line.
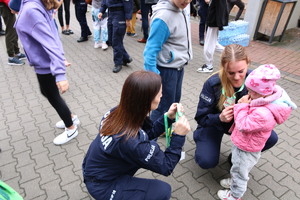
x=224, y=87
x=202, y=12
x=130, y=31
x=120, y=13
x=100, y=26
x=239, y=3
x=168, y=51
x=125, y=144
x=44, y=50
x=66, y=6
x=256, y=114
x=80, y=12
x=145, y=10
x=217, y=18
x=15, y=57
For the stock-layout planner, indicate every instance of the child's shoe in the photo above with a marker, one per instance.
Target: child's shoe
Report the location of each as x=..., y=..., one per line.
x=97, y=45
x=61, y=123
x=226, y=183
x=226, y=195
x=104, y=46
x=66, y=136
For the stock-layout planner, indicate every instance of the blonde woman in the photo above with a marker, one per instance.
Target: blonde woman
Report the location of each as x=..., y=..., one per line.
x=214, y=114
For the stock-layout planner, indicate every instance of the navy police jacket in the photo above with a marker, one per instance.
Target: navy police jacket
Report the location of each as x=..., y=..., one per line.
x=124, y=5
x=110, y=157
x=207, y=111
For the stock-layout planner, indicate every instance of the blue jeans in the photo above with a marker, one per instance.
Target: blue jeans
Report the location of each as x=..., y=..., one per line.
x=208, y=143
x=202, y=12
x=100, y=26
x=80, y=12
x=171, y=90
x=145, y=9
x=128, y=187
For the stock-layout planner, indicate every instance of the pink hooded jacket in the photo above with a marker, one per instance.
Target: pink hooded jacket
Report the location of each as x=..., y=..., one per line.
x=255, y=121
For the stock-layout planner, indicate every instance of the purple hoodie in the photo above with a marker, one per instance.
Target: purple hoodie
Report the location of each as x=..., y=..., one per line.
x=39, y=36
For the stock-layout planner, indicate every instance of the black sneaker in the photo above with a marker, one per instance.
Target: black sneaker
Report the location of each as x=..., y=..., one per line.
x=125, y=62
x=21, y=56
x=205, y=69
x=15, y=61
x=117, y=68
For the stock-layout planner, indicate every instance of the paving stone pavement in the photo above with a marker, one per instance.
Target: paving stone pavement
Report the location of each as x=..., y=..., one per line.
x=37, y=169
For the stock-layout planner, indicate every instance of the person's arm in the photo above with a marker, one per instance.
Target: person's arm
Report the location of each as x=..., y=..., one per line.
x=207, y=114
x=159, y=33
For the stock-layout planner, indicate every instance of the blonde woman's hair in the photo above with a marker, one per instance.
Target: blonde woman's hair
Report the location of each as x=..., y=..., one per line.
x=231, y=53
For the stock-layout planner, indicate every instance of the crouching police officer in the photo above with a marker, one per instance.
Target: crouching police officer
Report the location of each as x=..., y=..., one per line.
x=119, y=16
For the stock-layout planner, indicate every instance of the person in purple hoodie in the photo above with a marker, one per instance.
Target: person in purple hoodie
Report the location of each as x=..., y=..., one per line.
x=43, y=48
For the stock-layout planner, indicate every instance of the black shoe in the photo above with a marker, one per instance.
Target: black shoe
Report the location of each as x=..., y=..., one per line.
x=82, y=39
x=2, y=32
x=117, y=68
x=127, y=61
x=70, y=32
x=202, y=42
x=65, y=32
x=229, y=159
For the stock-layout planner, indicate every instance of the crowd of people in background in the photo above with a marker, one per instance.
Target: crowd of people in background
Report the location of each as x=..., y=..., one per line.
x=151, y=98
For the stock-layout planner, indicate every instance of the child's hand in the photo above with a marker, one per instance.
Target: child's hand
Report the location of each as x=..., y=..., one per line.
x=67, y=64
x=245, y=99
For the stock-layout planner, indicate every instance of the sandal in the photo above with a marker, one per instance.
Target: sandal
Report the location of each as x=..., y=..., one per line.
x=65, y=32
x=70, y=31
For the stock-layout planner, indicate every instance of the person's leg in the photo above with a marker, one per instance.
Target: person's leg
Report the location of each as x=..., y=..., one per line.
x=85, y=31
x=60, y=17
x=104, y=32
x=169, y=84
x=208, y=143
x=11, y=37
x=49, y=89
x=133, y=22
x=96, y=25
x=109, y=30
x=179, y=79
x=67, y=13
x=145, y=23
x=241, y=6
x=271, y=141
x=242, y=163
x=203, y=15
x=229, y=6
x=210, y=45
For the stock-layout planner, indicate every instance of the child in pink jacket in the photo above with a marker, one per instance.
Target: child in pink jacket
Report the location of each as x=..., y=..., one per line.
x=256, y=115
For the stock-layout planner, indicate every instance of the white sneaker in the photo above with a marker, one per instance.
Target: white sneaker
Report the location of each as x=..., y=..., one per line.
x=104, y=46
x=205, y=69
x=226, y=183
x=61, y=123
x=219, y=47
x=97, y=45
x=226, y=195
x=66, y=136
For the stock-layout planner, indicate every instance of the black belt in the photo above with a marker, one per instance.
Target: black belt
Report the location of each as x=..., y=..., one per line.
x=112, y=9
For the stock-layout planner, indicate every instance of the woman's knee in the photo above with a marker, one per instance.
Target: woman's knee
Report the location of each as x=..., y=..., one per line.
x=160, y=191
x=206, y=162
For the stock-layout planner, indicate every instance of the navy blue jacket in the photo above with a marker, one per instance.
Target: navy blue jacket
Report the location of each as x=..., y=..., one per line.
x=207, y=112
x=126, y=4
x=110, y=157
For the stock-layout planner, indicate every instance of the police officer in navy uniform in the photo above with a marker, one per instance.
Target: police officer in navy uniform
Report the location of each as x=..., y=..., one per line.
x=119, y=16
x=80, y=11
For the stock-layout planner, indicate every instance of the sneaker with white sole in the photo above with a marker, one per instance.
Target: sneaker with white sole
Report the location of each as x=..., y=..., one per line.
x=21, y=56
x=104, y=46
x=66, y=136
x=226, y=195
x=97, y=45
x=61, y=123
x=205, y=69
x=226, y=183
x=15, y=61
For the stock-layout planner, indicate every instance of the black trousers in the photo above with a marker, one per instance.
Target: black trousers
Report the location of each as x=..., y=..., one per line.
x=50, y=90
x=66, y=6
x=80, y=11
x=239, y=4
x=11, y=37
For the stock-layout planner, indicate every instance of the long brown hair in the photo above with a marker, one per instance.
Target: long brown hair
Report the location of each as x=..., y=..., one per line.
x=52, y=4
x=231, y=53
x=139, y=90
